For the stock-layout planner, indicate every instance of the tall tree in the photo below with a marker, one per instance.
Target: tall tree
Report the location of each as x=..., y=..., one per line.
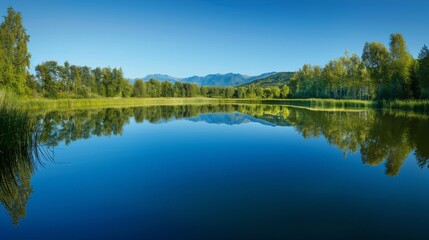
x=401, y=61
x=139, y=88
x=14, y=55
x=414, y=81
x=376, y=58
x=47, y=75
x=423, y=72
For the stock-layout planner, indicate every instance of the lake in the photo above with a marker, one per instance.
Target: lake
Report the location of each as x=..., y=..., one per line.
x=221, y=172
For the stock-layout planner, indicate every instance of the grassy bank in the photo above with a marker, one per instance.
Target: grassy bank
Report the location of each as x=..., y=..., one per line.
x=19, y=148
x=421, y=106
x=37, y=104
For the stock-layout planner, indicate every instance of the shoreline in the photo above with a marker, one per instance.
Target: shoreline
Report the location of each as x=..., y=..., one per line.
x=421, y=106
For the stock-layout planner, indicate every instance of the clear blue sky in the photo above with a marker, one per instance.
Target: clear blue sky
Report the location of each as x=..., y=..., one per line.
x=190, y=37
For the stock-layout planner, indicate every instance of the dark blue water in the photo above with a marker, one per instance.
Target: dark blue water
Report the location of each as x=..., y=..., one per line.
x=238, y=174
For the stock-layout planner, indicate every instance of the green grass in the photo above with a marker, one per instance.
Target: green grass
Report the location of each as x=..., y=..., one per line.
x=408, y=105
x=325, y=103
x=37, y=104
x=19, y=149
x=421, y=106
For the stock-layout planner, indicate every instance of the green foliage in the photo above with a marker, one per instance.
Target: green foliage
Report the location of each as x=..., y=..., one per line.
x=14, y=56
x=308, y=81
x=139, y=88
x=284, y=91
x=47, y=76
x=376, y=58
x=19, y=153
x=414, y=87
x=379, y=74
x=379, y=136
x=80, y=81
x=401, y=61
x=423, y=72
x=278, y=79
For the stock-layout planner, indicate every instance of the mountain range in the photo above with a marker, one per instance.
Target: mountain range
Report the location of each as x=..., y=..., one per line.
x=228, y=119
x=226, y=80
x=278, y=79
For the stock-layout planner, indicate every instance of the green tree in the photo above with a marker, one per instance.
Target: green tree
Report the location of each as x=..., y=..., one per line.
x=229, y=93
x=139, y=88
x=204, y=91
x=154, y=88
x=401, y=61
x=47, y=75
x=14, y=55
x=98, y=76
x=267, y=93
x=76, y=78
x=66, y=78
x=107, y=80
x=178, y=89
x=34, y=87
x=284, y=91
x=377, y=59
x=276, y=92
x=167, y=89
x=88, y=79
x=194, y=90
x=423, y=72
x=414, y=81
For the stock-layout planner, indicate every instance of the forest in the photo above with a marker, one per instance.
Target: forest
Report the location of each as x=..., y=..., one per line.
x=381, y=73
x=67, y=81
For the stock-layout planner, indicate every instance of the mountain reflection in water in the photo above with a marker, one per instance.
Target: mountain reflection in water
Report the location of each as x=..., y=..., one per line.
x=379, y=137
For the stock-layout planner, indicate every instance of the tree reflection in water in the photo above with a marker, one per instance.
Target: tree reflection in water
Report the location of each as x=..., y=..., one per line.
x=379, y=136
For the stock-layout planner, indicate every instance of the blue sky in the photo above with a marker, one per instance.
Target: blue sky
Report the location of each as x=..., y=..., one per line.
x=190, y=37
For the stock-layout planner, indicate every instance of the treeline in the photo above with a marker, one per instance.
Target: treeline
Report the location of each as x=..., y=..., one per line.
x=53, y=80
x=380, y=73
x=155, y=88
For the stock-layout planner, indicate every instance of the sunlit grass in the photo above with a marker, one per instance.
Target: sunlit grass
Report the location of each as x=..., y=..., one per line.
x=19, y=149
x=421, y=106
x=406, y=105
x=112, y=102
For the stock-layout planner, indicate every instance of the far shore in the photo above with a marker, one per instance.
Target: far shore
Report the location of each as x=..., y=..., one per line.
x=421, y=106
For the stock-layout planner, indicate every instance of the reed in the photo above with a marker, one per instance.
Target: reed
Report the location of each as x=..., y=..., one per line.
x=41, y=103
x=421, y=106
x=20, y=154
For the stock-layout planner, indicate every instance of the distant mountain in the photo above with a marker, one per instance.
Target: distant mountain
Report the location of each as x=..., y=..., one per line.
x=264, y=75
x=278, y=79
x=161, y=77
x=229, y=79
x=228, y=119
x=226, y=80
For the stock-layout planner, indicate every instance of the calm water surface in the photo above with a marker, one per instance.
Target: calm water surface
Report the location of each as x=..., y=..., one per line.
x=224, y=172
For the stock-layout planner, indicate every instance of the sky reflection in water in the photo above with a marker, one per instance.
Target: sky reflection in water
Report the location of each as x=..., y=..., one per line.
x=228, y=172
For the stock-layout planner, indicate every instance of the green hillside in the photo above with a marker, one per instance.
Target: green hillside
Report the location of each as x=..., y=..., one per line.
x=278, y=79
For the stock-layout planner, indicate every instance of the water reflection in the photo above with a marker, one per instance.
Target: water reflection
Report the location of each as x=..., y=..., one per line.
x=380, y=137
x=20, y=153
